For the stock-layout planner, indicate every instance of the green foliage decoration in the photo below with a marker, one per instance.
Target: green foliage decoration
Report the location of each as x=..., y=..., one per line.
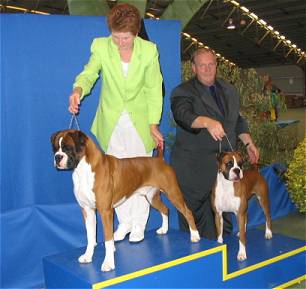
x=296, y=177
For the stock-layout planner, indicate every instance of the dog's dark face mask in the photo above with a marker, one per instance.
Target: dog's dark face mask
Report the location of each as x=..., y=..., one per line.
x=230, y=164
x=68, y=148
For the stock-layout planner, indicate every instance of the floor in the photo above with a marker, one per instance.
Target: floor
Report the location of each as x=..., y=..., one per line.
x=293, y=225
x=296, y=114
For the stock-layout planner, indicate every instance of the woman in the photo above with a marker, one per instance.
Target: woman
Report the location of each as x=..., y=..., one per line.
x=127, y=117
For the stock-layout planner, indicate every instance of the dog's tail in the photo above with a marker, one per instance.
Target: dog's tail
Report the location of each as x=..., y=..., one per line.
x=160, y=150
x=255, y=166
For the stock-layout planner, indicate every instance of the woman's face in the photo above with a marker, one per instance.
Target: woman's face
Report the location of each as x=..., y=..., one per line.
x=124, y=40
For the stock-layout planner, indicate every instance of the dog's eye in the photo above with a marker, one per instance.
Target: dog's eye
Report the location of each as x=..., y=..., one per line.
x=67, y=148
x=240, y=164
x=229, y=164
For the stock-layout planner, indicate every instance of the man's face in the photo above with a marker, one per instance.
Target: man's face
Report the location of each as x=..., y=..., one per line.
x=205, y=67
x=124, y=40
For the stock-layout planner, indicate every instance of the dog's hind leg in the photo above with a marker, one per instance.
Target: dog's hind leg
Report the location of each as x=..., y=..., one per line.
x=176, y=198
x=265, y=205
x=155, y=200
x=91, y=228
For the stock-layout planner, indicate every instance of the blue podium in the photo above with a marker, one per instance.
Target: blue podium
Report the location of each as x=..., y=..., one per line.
x=172, y=261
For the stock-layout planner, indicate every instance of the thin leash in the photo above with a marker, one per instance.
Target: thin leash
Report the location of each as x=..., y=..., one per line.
x=73, y=120
x=220, y=144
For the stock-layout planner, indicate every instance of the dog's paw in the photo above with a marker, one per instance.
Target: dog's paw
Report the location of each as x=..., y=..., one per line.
x=241, y=256
x=162, y=231
x=194, y=236
x=220, y=240
x=107, y=266
x=268, y=234
x=85, y=258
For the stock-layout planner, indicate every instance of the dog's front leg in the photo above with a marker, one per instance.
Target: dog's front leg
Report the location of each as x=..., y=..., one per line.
x=242, y=239
x=219, y=226
x=109, y=259
x=90, y=223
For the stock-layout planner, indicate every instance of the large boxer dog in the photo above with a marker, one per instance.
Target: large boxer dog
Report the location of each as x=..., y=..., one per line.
x=231, y=192
x=102, y=182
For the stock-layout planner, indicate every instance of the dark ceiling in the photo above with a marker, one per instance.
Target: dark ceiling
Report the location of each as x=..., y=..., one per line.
x=248, y=45
x=251, y=45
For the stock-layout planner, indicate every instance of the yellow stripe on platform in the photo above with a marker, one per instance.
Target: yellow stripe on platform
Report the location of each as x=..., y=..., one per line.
x=262, y=264
x=292, y=282
x=226, y=276
x=160, y=267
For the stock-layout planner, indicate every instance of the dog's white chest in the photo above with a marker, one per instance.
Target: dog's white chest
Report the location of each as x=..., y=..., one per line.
x=225, y=199
x=83, y=181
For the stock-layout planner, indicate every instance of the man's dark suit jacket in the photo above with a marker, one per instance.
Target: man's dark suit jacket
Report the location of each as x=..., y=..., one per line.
x=194, y=153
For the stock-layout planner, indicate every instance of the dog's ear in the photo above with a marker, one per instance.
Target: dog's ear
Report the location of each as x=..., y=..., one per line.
x=241, y=156
x=79, y=139
x=53, y=138
x=220, y=156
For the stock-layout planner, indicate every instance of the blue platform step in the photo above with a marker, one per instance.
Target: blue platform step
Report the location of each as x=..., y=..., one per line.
x=172, y=261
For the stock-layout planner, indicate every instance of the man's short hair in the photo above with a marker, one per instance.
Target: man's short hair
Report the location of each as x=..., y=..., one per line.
x=201, y=50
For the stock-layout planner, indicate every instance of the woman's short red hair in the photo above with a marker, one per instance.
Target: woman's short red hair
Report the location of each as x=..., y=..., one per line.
x=124, y=18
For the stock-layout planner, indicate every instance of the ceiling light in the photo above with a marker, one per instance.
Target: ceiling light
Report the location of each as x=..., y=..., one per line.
x=253, y=15
x=263, y=22
x=24, y=10
x=194, y=39
x=186, y=35
x=150, y=15
x=231, y=24
x=235, y=3
x=270, y=30
x=244, y=9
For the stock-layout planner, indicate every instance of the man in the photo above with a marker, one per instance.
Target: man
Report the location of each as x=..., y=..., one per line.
x=206, y=110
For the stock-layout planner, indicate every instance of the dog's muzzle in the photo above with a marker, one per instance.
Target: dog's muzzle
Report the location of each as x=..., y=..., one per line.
x=235, y=174
x=60, y=160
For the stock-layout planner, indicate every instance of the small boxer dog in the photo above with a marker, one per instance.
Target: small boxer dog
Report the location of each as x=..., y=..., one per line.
x=231, y=192
x=102, y=182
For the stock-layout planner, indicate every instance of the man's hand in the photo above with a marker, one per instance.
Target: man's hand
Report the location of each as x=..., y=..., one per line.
x=74, y=100
x=253, y=153
x=214, y=127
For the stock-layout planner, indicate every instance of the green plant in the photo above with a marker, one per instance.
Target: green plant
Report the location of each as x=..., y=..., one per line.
x=296, y=177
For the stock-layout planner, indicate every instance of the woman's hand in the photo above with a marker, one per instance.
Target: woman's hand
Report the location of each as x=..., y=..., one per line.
x=157, y=136
x=74, y=100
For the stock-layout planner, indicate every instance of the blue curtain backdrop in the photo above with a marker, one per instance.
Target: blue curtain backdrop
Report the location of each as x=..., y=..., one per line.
x=40, y=57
